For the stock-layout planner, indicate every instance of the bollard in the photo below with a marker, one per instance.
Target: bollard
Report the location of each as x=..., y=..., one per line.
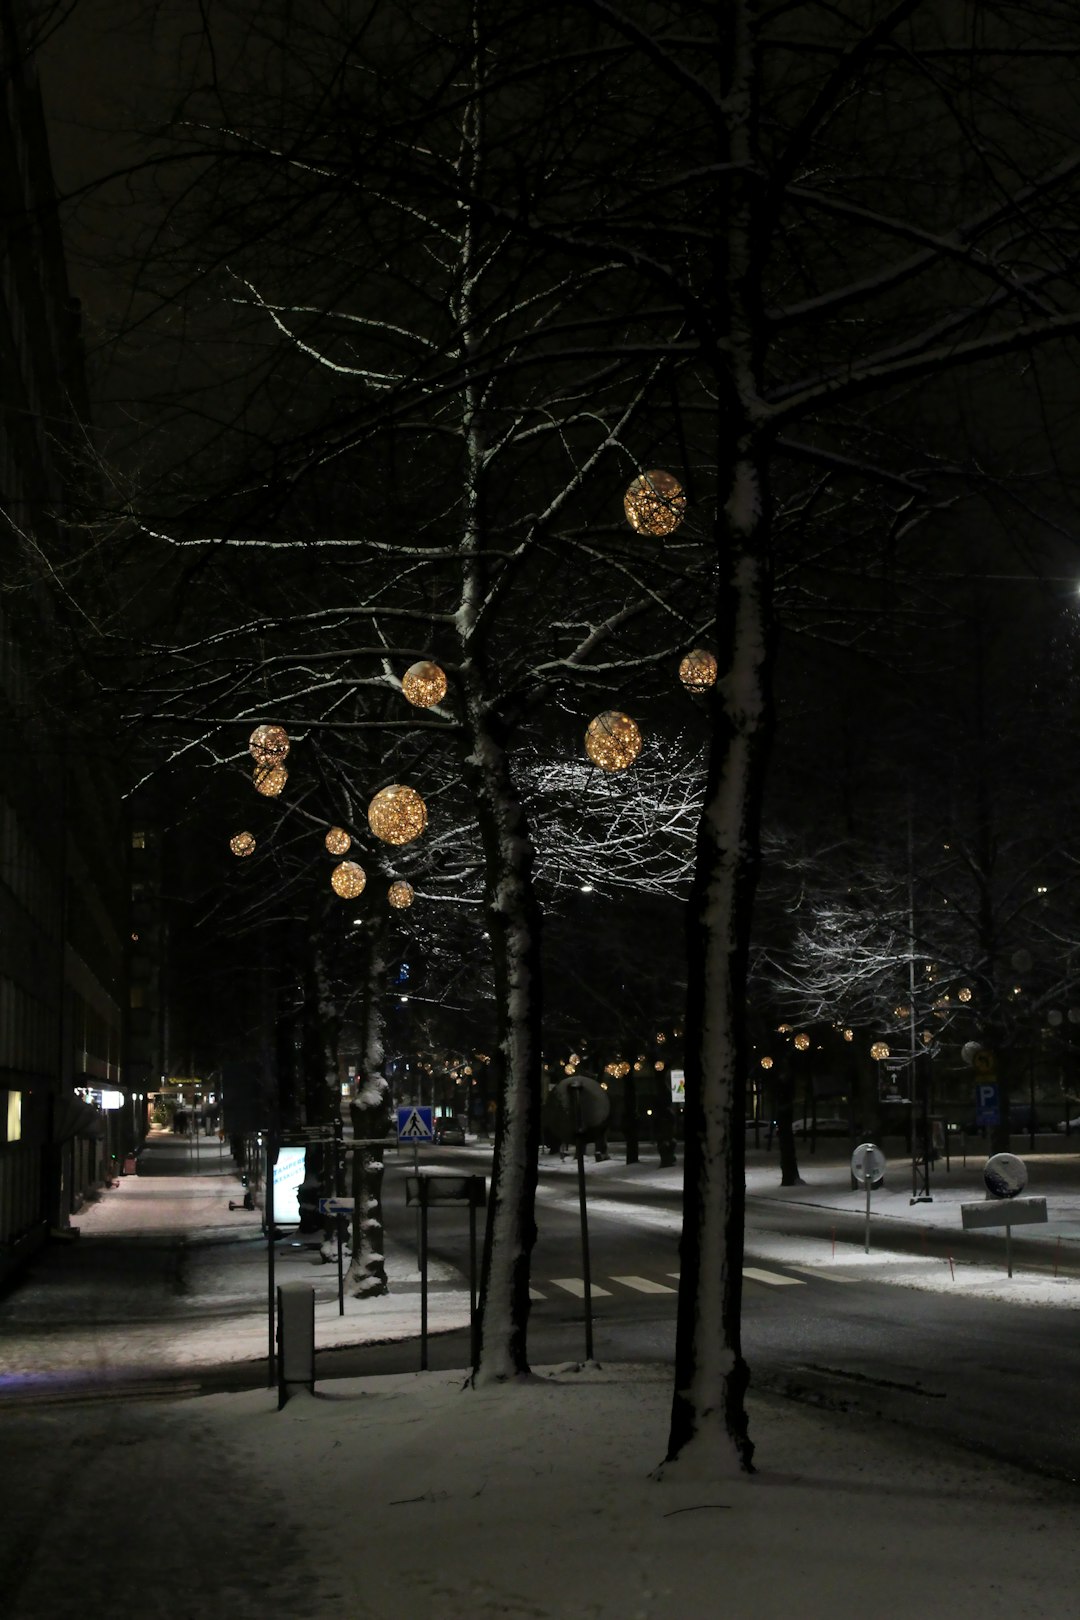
x=295, y=1338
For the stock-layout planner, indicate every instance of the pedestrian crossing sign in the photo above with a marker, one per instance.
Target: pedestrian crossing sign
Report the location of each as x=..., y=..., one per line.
x=415, y=1124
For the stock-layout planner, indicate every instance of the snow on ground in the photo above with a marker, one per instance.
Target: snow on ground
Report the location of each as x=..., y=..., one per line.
x=408, y=1497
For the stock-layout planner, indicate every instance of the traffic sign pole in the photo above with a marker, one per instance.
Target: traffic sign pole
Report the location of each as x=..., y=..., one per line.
x=339, y=1189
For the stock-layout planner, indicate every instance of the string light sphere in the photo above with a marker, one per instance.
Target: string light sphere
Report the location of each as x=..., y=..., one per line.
x=766, y=1063
x=270, y=780
x=617, y=1070
x=268, y=745
x=424, y=684
x=655, y=503
x=400, y=894
x=397, y=814
x=338, y=841
x=802, y=1042
x=879, y=1050
x=612, y=741
x=348, y=880
x=242, y=843
x=698, y=670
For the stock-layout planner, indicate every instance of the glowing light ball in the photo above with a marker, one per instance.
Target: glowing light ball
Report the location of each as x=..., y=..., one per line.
x=400, y=894
x=348, y=880
x=397, y=814
x=424, y=684
x=612, y=741
x=655, y=503
x=270, y=780
x=878, y=1051
x=243, y=843
x=268, y=745
x=698, y=670
x=338, y=841
x=802, y=1042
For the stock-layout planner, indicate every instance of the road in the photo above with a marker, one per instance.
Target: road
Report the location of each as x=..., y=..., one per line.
x=1001, y=1379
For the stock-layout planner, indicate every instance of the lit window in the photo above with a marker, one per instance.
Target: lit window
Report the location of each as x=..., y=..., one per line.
x=138, y=839
x=14, y=1116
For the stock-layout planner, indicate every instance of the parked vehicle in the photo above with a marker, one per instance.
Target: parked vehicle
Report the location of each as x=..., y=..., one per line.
x=450, y=1135
x=824, y=1125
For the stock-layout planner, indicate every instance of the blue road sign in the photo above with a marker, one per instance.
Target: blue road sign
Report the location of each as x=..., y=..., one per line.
x=987, y=1103
x=415, y=1124
x=336, y=1205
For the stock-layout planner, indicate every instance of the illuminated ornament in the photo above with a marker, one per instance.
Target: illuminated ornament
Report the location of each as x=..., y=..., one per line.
x=964, y=994
x=802, y=1042
x=618, y=1070
x=612, y=741
x=270, y=780
x=659, y=1067
x=849, y=1034
x=397, y=814
x=268, y=745
x=348, y=880
x=424, y=684
x=878, y=1051
x=766, y=1063
x=655, y=503
x=400, y=894
x=783, y=1029
x=338, y=841
x=660, y=1037
x=242, y=844
x=698, y=670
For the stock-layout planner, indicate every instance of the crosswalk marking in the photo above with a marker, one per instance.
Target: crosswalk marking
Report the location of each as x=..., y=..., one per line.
x=775, y=1278
x=647, y=1285
x=576, y=1286
x=644, y=1285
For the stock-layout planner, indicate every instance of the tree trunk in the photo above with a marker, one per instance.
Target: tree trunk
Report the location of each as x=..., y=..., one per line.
x=785, y=1127
x=513, y=918
x=710, y=1375
x=630, y=1123
x=370, y=1115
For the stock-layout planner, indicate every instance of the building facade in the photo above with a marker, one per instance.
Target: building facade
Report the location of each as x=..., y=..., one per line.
x=66, y=1120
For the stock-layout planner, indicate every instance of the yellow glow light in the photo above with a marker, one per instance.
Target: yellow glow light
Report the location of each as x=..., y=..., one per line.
x=698, y=670
x=655, y=503
x=397, y=814
x=424, y=684
x=612, y=741
x=348, y=879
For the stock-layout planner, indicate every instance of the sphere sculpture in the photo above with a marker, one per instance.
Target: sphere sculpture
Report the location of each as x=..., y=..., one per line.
x=338, y=841
x=424, y=684
x=397, y=814
x=655, y=503
x=242, y=843
x=612, y=741
x=348, y=880
x=268, y=745
x=270, y=780
x=400, y=894
x=698, y=670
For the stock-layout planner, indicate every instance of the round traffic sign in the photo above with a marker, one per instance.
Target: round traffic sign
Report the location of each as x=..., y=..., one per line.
x=1005, y=1175
x=868, y=1164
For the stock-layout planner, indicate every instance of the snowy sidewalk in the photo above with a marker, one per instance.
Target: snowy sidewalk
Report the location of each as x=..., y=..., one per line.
x=164, y=1279
x=412, y=1496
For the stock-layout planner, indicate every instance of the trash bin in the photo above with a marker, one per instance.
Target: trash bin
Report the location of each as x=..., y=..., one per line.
x=295, y=1338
